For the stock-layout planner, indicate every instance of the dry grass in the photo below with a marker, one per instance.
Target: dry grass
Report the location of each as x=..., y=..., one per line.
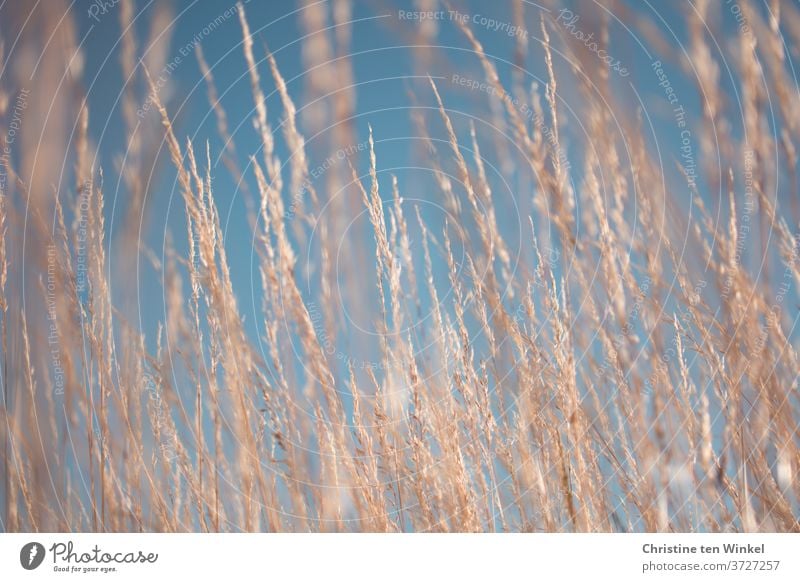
x=635, y=368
